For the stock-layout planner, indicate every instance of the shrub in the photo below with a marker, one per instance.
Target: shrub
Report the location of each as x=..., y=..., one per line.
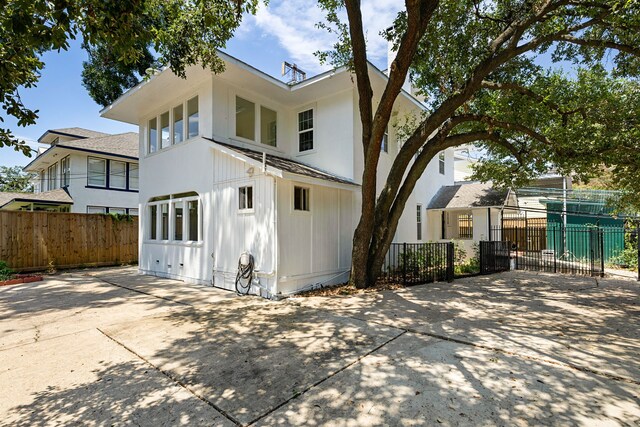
x=5, y=272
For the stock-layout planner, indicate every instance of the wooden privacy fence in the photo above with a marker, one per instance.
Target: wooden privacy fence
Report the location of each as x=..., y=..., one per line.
x=32, y=241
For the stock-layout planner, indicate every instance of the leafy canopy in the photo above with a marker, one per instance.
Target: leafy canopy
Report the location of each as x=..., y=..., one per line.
x=14, y=180
x=123, y=39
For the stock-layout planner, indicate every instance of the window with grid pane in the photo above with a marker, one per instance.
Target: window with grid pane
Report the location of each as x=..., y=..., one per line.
x=441, y=163
x=465, y=226
x=305, y=130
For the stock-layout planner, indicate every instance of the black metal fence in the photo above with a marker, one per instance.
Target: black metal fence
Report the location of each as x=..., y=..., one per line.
x=587, y=250
x=417, y=263
x=495, y=257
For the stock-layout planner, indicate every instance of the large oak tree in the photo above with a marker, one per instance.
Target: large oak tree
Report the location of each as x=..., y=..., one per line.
x=480, y=66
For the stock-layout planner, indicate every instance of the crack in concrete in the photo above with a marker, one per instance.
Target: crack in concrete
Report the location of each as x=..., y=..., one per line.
x=317, y=383
x=175, y=380
x=141, y=292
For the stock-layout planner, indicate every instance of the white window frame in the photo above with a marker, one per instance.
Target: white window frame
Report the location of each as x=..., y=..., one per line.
x=137, y=167
x=170, y=202
x=246, y=198
x=52, y=180
x=120, y=211
x=312, y=129
x=96, y=209
x=308, y=199
x=419, y=227
x=65, y=171
x=441, y=163
x=185, y=125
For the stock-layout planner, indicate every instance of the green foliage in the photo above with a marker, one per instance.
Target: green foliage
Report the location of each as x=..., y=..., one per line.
x=464, y=266
x=13, y=179
x=120, y=37
x=5, y=272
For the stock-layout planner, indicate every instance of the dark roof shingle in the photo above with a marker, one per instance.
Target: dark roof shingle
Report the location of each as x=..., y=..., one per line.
x=287, y=165
x=55, y=196
x=472, y=195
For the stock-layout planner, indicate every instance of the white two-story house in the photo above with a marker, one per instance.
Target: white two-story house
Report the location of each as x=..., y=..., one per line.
x=82, y=171
x=241, y=161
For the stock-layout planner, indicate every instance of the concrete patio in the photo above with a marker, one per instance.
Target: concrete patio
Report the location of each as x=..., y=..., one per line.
x=110, y=347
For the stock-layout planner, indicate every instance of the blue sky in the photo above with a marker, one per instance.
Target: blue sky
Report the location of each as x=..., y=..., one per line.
x=264, y=41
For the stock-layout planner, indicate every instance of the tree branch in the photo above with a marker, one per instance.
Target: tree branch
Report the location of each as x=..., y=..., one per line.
x=631, y=50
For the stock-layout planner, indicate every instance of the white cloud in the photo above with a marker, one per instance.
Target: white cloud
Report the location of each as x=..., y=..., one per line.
x=293, y=24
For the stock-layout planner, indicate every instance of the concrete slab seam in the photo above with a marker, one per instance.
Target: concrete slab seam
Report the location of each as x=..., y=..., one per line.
x=175, y=380
x=511, y=353
x=317, y=383
x=141, y=292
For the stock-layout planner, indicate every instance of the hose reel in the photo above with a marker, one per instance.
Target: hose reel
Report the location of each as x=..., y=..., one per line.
x=244, y=277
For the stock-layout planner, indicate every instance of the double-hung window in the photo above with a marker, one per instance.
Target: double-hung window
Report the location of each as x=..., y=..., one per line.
x=419, y=222
x=65, y=172
x=134, y=172
x=117, y=174
x=441, y=163
x=53, y=173
x=305, y=130
x=96, y=172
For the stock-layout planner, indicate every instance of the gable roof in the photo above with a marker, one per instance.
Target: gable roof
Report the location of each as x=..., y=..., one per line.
x=74, y=132
x=472, y=195
x=123, y=144
x=287, y=165
x=59, y=196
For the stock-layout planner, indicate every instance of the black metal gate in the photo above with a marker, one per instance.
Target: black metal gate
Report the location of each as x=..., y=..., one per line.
x=494, y=257
x=417, y=263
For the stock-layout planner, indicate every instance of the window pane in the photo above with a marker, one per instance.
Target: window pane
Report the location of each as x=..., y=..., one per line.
x=133, y=211
x=249, y=197
x=164, y=217
x=245, y=196
x=268, y=126
x=441, y=163
x=419, y=222
x=193, y=220
x=153, y=136
x=192, y=116
x=117, y=174
x=465, y=226
x=53, y=172
x=97, y=172
x=177, y=221
x=306, y=140
x=96, y=210
x=153, y=220
x=178, y=124
x=245, y=119
x=120, y=211
x=134, y=172
x=300, y=199
x=64, y=172
x=164, y=129
x=305, y=120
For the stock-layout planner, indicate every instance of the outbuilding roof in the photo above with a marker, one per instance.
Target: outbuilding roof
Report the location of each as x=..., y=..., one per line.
x=59, y=196
x=471, y=195
x=287, y=165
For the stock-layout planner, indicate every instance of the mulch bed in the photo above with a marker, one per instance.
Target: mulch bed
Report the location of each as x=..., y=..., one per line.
x=347, y=289
x=21, y=278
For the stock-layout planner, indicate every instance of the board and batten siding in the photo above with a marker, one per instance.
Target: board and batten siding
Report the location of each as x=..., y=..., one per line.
x=315, y=246
x=235, y=231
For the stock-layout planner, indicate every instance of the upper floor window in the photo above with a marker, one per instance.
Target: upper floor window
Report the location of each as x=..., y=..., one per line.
x=134, y=171
x=192, y=116
x=117, y=174
x=42, y=181
x=441, y=162
x=245, y=119
x=305, y=130
x=178, y=124
x=301, y=199
x=169, y=127
x=384, y=145
x=164, y=130
x=268, y=126
x=53, y=172
x=245, y=198
x=65, y=172
x=152, y=136
x=96, y=172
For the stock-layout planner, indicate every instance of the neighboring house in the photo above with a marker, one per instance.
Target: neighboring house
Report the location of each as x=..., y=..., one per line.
x=82, y=171
x=241, y=161
x=467, y=212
